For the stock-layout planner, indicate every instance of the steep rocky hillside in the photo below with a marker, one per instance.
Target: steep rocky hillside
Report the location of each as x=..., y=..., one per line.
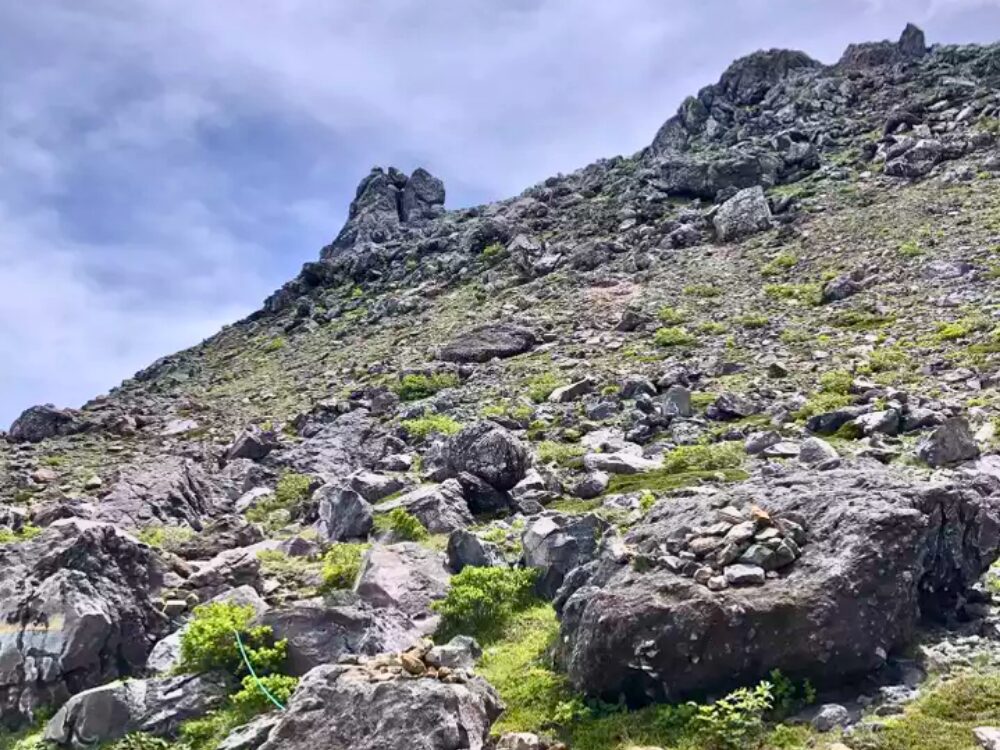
x=692, y=448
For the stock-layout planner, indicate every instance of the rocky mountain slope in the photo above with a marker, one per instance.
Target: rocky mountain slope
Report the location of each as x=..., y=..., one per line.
x=714, y=421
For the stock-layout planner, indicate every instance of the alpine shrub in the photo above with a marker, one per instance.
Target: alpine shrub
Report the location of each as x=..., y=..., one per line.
x=481, y=600
x=209, y=641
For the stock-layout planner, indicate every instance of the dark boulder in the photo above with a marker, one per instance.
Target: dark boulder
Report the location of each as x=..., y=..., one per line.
x=878, y=552
x=556, y=543
x=489, y=452
x=486, y=342
x=42, y=422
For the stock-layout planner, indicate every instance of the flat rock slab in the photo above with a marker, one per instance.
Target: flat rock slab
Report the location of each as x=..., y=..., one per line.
x=488, y=342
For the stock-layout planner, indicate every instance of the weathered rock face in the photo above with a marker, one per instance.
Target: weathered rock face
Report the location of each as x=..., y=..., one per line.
x=335, y=450
x=951, y=442
x=405, y=576
x=41, y=422
x=156, y=706
x=489, y=452
x=555, y=544
x=318, y=633
x=879, y=553
x=441, y=508
x=76, y=607
x=171, y=491
x=341, y=707
x=486, y=342
x=343, y=514
x=744, y=214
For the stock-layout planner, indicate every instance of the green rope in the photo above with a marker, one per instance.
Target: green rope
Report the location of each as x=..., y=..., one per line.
x=256, y=679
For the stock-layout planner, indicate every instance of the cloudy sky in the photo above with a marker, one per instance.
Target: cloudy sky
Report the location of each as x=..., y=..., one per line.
x=165, y=165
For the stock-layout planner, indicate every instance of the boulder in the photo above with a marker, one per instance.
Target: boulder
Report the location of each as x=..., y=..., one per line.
x=878, y=552
x=619, y=463
x=374, y=487
x=156, y=706
x=251, y=735
x=406, y=576
x=950, y=443
x=556, y=543
x=441, y=508
x=815, y=451
x=319, y=633
x=167, y=491
x=423, y=196
x=357, y=707
x=466, y=549
x=253, y=443
x=573, y=391
x=76, y=603
x=42, y=422
x=337, y=449
x=461, y=652
x=227, y=570
x=744, y=214
x=220, y=534
x=487, y=342
x=343, y=514
x=482, y=497
x=489, y=452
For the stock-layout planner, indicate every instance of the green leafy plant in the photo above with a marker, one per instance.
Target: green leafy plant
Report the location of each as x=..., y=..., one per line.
x=209, y=641
x=675, y=336
x=140, y=741
x=753, y=321
x=249, y=700
x=481, y=600
x=712, y=457
x=342, y=563
x=540, y=387
x=402, y=524
x=779, y=264
x=836, y=381
x=431, y=424
x=563, y=454
x=417, y=385
x=166, y=537
x=26, y=532
x=807, y=294
x=290, y=492
x=671, y=315
x=702, y=290
x=735, y=722
x=275, y=344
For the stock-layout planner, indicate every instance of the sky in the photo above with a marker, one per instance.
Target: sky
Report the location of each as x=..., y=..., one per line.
x=165, y=165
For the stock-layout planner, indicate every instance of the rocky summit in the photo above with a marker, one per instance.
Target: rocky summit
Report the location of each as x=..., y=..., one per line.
x=696, y=447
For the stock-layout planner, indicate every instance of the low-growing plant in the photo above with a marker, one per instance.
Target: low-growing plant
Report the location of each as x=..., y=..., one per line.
x=431, y=424
x=779, y=264
x=166, y=537
x=249, y=700
x=290, y=492
x=807, y=294
x=415, y=386
x=711, y=328
x=753, y=321
x=26, y=532
x=140, y=741
x=481, y=600
x=702, y=290
x=675, y=336
x=671, y=315
x=836, y=381
x=341, y=565
x=563, y=454
x=959, y=329
x=209, y=641
x=735, y=722
x=910, y=249
x=540, y=387
x=711, y=457
x=401, y=524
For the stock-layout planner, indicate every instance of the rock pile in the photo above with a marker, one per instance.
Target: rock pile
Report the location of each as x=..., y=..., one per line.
x=739, y=548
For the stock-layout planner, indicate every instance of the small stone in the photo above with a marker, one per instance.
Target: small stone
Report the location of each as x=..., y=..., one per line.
x=757, y=554
x=412, y=664
x=741, y=532
x=92, y=482
x=830, y=716
x=744, y=575
x=730, y=514
x=704, y=545
x=174, y=607
x=717, y=583
x=987, y=737
x=703, y=574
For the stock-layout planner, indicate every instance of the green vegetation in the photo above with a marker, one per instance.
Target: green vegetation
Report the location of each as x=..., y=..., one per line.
x=671, y=315
x=563, y=454
x=296, y=573
x=403, y=525
x=806, y=294
x=959, y=329
x=342, y=563
x=753, y=321
x=861, y=320
x=275, y=510
x=275, y=344
x=702, y=290
x=779, y=264
x=23, y=534
x=663, y=480
x=166, y=537
x=209, y=643
x=431, y=424
x=416, y=386
x=943, y=718
x=480, y=601
x=493, y=253
x=711, y=328
x=911, y=249
x=686, y=458
x=540, y=387
x=250, y=701
x=511, y=410
x=675, y=336
x=836, y=381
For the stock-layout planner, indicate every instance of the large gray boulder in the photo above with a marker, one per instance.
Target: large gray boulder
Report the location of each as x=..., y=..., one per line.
x=358, y=707
x=744, y=214
x=876, y=553
x=948, y=444
x=168, y=491
x=441, y=508
x=38, y=423
x=77, y=612
x=465, y=549
x=156, y=706
x=336, y=449
x=486, y=342
x=488, y=451
x=343, y=514
x=320, y=633
x=556, y=543
x=405, y=576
